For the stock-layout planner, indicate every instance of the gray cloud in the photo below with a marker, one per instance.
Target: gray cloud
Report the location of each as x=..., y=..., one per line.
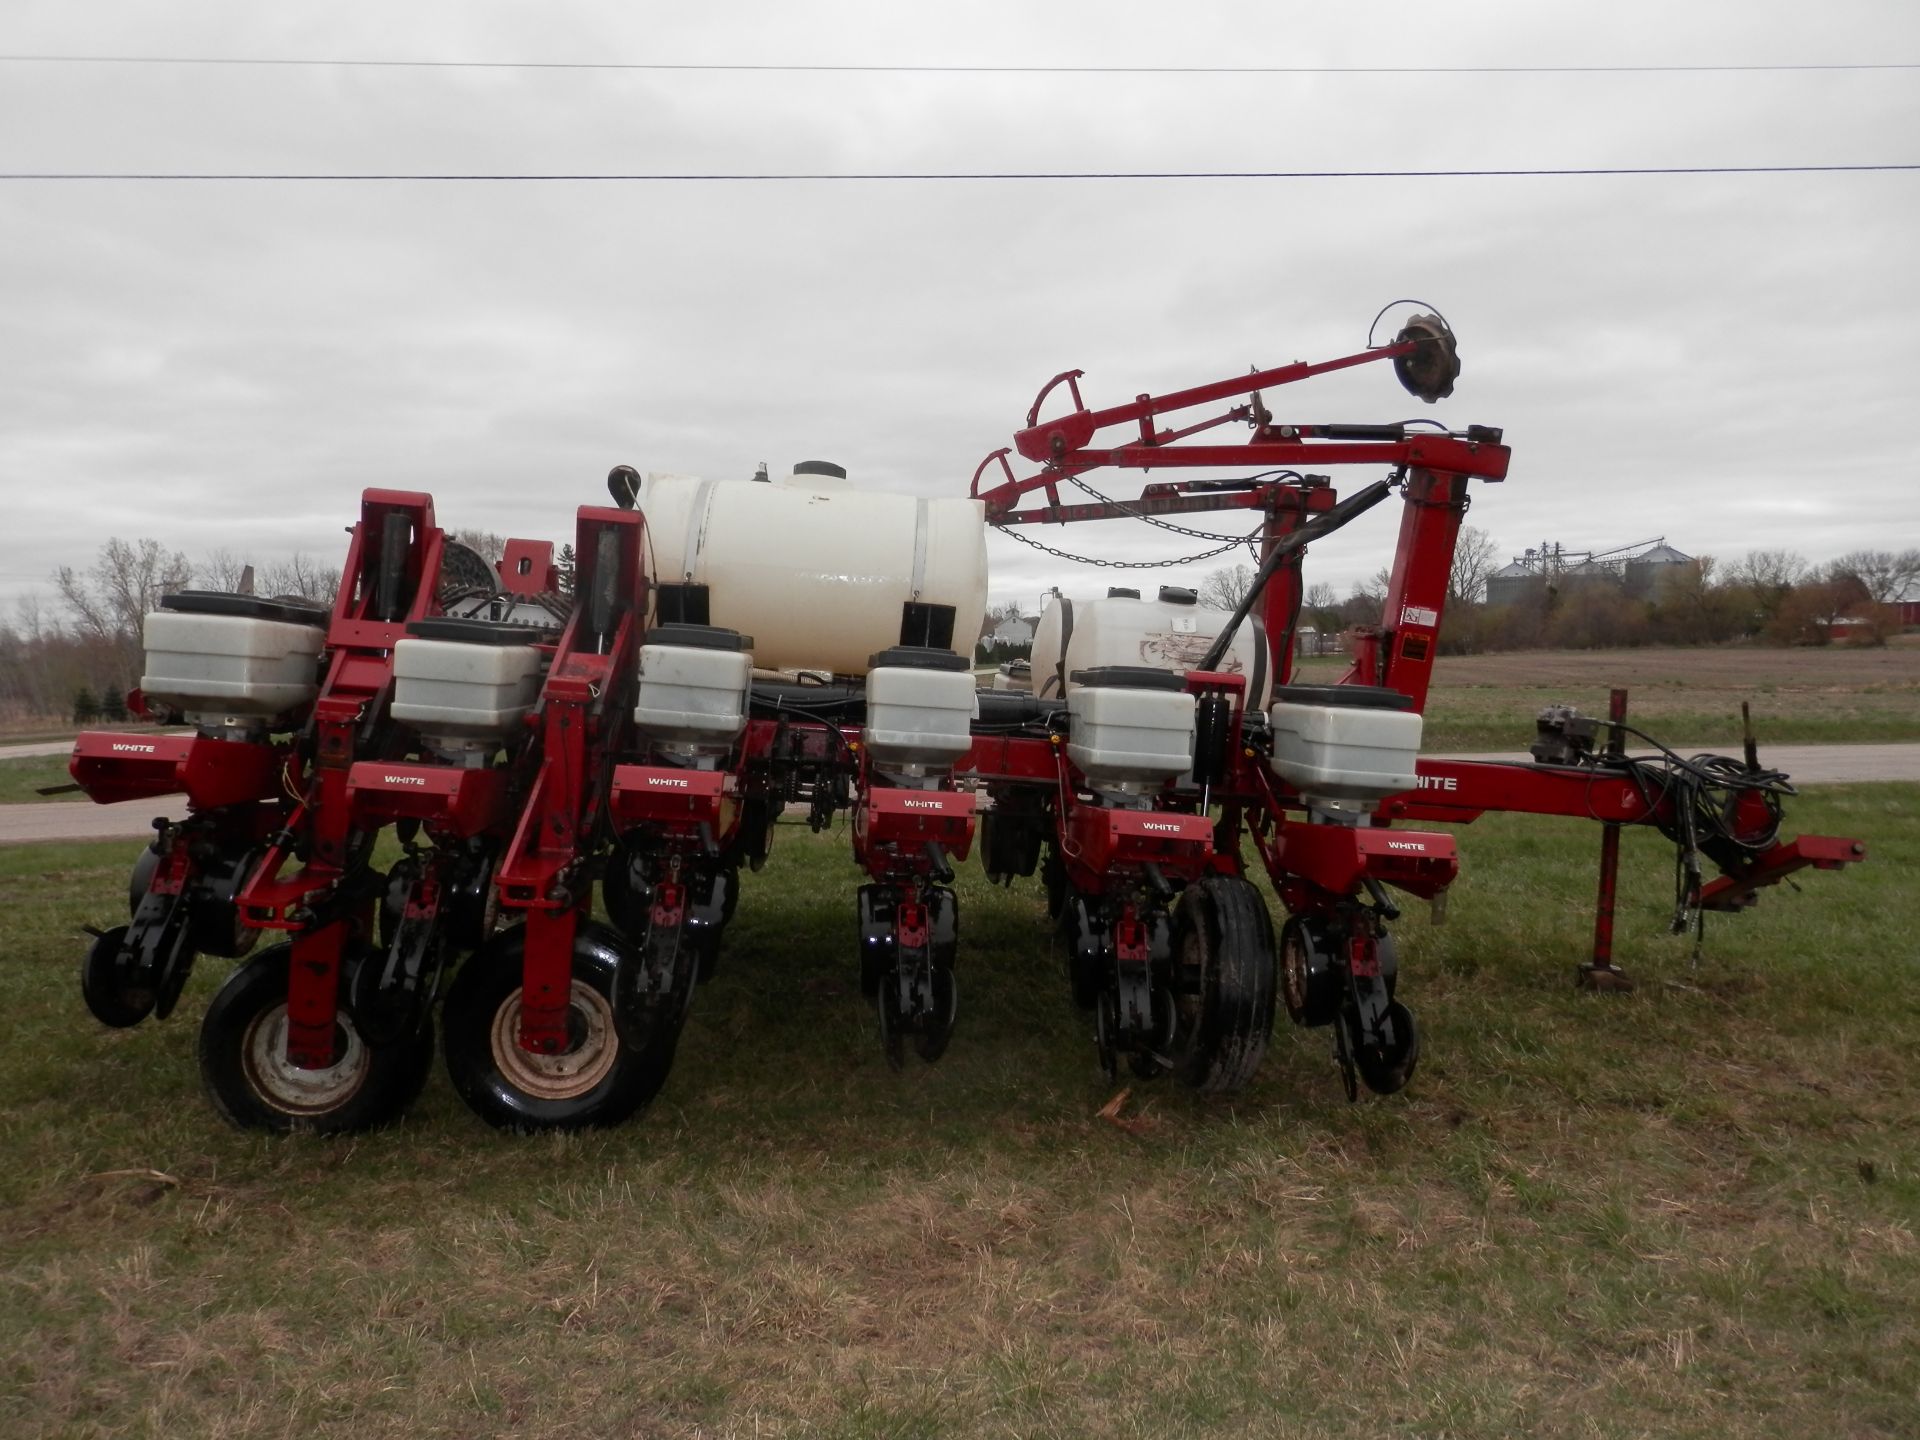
x=1721, y=359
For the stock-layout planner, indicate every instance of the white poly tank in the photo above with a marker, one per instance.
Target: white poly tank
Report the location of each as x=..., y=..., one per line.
x=1168, y=632
x=694, y=681
x=1130, y=728
x=1341, y=744
x=209, y=653
x=814, y=568
x=466, y=684
x=921, y=705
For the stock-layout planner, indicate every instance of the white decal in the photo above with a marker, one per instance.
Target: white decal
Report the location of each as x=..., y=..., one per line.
x=1419, y=615
x=1412, y=845
x=135, y=749
x=1158, y=828
x=923, y=804
x=669, y=782
x=404, y=780
x=1439, y=782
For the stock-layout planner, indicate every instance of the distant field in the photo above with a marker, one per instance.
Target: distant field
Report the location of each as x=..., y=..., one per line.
x=1687, y=1212
x=1688, y=698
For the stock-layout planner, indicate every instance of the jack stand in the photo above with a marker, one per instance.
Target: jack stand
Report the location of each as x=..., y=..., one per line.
x=1601, y=974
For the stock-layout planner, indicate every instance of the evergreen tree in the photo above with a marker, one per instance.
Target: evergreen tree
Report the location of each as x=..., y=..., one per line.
x=85, y=706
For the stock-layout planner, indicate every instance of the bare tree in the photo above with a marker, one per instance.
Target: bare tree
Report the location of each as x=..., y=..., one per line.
x=1323, y=604
x=1225, y=588
x=1369, y=596
x=111, y=599
x=303, y=576
x=1474, y=559
x=1764, y=579
x=1884, y=574
x=221, y=570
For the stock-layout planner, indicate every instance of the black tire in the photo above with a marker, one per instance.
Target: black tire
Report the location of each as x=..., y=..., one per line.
x=99, y=983
x=930, y=1045
x=1084, y=976
x=214, y=926
x=1223, y=959
x=140, y=879
x=1053, y=875
x=600, y=1082
x=625, y=904
x=244, y=1069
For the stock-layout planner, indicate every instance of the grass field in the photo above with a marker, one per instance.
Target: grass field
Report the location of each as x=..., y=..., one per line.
x=1687, y=698
x=1690, y=1211
x=21, y=778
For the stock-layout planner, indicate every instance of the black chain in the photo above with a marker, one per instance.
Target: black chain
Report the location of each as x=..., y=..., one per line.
x=1013, y=534
x=1168, y=525
x=1230, y=542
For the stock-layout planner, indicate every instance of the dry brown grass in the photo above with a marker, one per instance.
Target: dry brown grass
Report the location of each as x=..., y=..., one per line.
x=1691, y=1211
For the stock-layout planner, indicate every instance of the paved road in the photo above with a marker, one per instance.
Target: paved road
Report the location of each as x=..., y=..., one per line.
x=78, y=820
x=39, y=747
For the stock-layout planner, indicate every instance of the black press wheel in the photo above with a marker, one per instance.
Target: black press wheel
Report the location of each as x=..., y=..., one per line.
x=1224, y=977
x=102, y=985
x=598, y=1081
x=1385, y=1069
x=244, y=1065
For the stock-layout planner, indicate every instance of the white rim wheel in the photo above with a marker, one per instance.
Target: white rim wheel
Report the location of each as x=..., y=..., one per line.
x=558, y=1077
x=288, y=1088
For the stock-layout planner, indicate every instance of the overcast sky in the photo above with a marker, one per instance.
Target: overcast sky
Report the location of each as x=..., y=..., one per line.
x=1729, y=361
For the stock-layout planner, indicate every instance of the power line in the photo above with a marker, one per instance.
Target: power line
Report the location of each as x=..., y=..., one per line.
x=839, y=69
x=941, y=175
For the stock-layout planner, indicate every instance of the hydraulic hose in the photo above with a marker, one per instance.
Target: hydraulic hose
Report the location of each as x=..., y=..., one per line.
x=1352, y=508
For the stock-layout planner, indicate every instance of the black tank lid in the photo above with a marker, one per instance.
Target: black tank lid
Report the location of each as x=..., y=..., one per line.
x=821, y=467
x=1178, y=595
x=1128, y=677
x=1122, y=592
x=917, y=657
x=698, y=637
x=470, y=630
x=1364, y=697
x=289, y=611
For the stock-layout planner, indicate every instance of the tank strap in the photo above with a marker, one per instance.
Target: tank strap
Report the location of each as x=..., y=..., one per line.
x=919, y=547
x=1056, y=684
x=1259, y=663
x=696, y=529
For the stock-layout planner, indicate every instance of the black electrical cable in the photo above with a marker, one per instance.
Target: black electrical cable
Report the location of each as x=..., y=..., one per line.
x=768, y=177
x=669, y=67
x=1705, y=792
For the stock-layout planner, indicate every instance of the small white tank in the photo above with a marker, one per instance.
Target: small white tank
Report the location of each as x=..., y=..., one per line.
x=215, y=655
x=1016, y=676
x=814, y=568
x=921, y=705
x=1169, y=632
x=1345, y=747
x=466, y=686
x=1131, y=728
x=694, y=680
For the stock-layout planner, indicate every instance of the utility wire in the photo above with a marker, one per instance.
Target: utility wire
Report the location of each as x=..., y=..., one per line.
x=824, y=176
x=835, y=69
